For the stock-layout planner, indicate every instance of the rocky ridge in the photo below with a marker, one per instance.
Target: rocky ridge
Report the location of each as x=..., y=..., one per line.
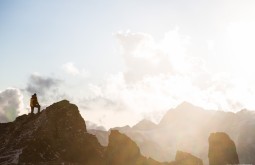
x=59, y=135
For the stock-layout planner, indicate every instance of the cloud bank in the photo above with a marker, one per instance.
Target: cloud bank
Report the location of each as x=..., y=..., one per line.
x=39, y=84
x=48, y=89
x=11, y=104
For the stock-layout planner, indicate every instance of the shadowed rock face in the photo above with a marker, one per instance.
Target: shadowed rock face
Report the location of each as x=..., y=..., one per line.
x=222, y=150
x=123, y=151
x=57, y=134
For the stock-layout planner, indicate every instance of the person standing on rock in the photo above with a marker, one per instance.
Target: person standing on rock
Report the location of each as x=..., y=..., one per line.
x=34, y=103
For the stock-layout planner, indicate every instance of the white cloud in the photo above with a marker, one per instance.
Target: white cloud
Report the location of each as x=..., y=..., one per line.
x=210, y=45
x=142, y=56
x=11, y=104
x=71, y=69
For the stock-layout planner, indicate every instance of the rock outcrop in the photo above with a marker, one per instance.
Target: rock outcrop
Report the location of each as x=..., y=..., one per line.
x=222, y=150
x=184, y=158
x=58, y=134
x=122, y=150
x=144, y=125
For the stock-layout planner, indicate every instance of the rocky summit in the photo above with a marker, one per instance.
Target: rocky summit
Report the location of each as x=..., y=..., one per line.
x=58, y=135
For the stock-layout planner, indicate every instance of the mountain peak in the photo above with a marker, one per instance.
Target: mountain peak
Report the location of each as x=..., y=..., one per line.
x=144, y=124
x=186, y=106
x=185, y=112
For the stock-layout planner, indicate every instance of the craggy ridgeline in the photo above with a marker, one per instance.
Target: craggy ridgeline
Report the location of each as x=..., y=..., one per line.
x=58, y=135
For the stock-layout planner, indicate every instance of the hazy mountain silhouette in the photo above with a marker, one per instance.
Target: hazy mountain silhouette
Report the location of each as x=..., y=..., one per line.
x=144, y=125
x=187, y=128
x=59, y=135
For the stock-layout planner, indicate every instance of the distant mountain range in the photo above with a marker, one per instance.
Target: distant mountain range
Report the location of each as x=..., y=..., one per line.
x=187, y=128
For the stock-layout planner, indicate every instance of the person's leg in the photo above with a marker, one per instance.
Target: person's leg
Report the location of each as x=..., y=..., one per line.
x=39, y=108
x=32, y=110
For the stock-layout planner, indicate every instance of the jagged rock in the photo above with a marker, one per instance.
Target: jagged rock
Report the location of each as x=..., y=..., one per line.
x=57, y=134
x=122, y=150
x=184, y=158
x=222, y=150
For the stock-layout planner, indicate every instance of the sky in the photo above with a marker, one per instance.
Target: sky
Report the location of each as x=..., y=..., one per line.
x=121, y=61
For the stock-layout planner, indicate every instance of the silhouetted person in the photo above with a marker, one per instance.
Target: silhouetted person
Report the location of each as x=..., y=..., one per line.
x=34, y=103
